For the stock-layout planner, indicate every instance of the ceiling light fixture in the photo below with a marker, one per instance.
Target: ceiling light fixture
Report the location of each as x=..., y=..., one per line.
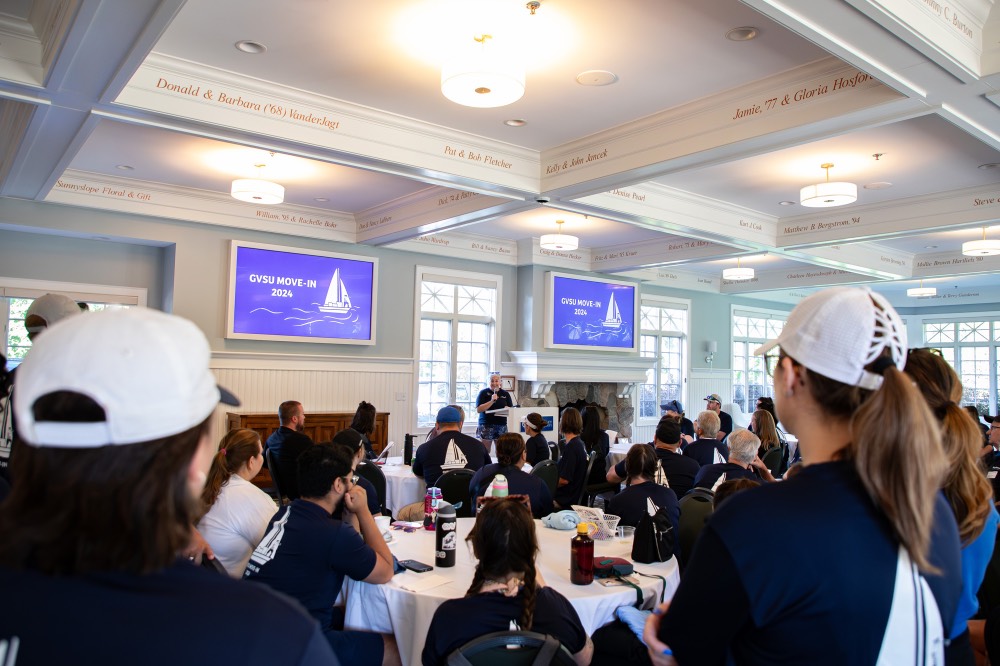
x=258, y=191
x=483, y=75
x=825, y=195
x=559, y=241
x=921, y=291
x=737, y=274
x=981, y=248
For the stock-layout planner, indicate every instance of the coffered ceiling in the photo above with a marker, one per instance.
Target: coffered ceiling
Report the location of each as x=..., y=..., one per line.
x=691, y=158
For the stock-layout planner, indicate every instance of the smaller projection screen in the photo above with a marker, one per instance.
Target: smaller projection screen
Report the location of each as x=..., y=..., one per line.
x=282, y=293
x=590, y=313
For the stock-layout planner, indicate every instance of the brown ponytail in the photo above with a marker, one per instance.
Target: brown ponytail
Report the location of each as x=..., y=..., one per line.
x=967, y=490
x=235, y=450
x=504, y=541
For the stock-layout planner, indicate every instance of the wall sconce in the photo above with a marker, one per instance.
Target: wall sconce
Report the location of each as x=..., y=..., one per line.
x=711, y=346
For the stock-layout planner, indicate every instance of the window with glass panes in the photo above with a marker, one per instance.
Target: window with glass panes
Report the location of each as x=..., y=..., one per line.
x=663, y=336
x=750, y=380
x=972, y=347
x=455, y=357
x=16, y=342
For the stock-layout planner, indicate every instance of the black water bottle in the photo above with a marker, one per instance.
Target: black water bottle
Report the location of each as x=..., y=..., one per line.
x=407, y=449
x=446, y=538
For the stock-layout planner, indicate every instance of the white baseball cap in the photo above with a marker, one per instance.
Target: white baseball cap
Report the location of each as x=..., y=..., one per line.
x=52, y=308
x=837, y=332
x=146, y=369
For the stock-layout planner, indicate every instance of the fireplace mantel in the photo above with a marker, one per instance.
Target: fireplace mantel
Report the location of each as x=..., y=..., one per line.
x=544, y=369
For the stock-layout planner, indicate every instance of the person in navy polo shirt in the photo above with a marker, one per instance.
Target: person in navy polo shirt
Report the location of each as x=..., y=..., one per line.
x=306, y=554
x=707, y=449
x=743, y=463
x=114, y=410
x=511, y=456
x=631, y=504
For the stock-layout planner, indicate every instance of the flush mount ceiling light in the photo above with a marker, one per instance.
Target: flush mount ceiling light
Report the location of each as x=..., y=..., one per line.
x=826, y=195
x=482, y=75
x=981, y=248
x=921, y=291
x=737, y=274
x=258, y=191
x=559, y=241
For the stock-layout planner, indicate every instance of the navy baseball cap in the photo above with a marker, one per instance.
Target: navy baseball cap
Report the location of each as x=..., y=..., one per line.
x=673, y=406
x=448, y=415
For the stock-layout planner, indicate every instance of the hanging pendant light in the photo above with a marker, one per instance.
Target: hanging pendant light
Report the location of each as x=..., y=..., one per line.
x=483, y=75
x=826, y=195
x=257, y=191
x=559, y=241
x=981, y=248
x=737, y=274
x=921, y=291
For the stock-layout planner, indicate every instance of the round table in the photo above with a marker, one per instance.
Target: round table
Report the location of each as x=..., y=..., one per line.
x=392, y=609
x=402, y=486
x=617, y=454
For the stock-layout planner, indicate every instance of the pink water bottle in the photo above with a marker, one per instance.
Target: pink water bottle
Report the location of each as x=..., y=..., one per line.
x=431, y=500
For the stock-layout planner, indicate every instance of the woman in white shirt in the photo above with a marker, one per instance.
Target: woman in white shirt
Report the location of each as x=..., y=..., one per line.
x=236, y=511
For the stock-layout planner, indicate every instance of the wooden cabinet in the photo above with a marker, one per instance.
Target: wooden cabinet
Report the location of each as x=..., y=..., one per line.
x=320, y=426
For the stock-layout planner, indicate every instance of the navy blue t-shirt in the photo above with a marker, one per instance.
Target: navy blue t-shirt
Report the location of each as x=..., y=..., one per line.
x=703, y=450
x=503, y=401
x=572, y=467
x=679, y=469
x=306, y=554
x=184, y=614
x=817, y=591
x=286, y=446
x=458, y=621
x=537, y=449
x=709, y=474
x=519, y=482
x=599, y=472
x=630, y=505
x=431, y=455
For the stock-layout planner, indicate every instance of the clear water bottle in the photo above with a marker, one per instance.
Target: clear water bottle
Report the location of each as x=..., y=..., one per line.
x=500, y=488
x=446, y=539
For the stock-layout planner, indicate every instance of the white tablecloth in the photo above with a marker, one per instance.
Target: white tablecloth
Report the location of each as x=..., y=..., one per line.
x=402, y=487
x=617, y=454
x=390, y=609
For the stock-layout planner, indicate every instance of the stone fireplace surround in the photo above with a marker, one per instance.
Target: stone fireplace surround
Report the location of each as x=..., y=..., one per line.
x=555, y=378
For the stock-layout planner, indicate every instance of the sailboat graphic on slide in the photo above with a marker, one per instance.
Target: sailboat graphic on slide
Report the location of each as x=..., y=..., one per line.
x=614, y=318
x=338, y=301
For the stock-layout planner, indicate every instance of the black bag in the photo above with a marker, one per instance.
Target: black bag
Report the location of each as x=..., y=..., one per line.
x=654, y=536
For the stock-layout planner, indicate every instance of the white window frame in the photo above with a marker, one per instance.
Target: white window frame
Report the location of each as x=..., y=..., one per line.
x=656, y=301
x=11, y=287
x=954, y=318
x=759, y=313
x=451, y=276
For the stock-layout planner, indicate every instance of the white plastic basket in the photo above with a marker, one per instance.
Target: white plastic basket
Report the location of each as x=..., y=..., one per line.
x=607, y=524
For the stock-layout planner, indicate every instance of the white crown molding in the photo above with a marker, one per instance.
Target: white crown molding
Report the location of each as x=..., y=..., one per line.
x=232, y=360
x=464, y=246
x=89, y=190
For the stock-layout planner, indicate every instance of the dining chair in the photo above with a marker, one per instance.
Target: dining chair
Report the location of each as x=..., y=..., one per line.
x=583, y=489
x=696, y=508
x=369, y=470
x=272, y=467
x=454, y=485
x=553, y=452
x=547, y=471
x=512, y=648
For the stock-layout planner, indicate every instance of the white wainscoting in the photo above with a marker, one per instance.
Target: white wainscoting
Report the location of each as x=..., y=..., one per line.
x=320, y=383
x=702, y=382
